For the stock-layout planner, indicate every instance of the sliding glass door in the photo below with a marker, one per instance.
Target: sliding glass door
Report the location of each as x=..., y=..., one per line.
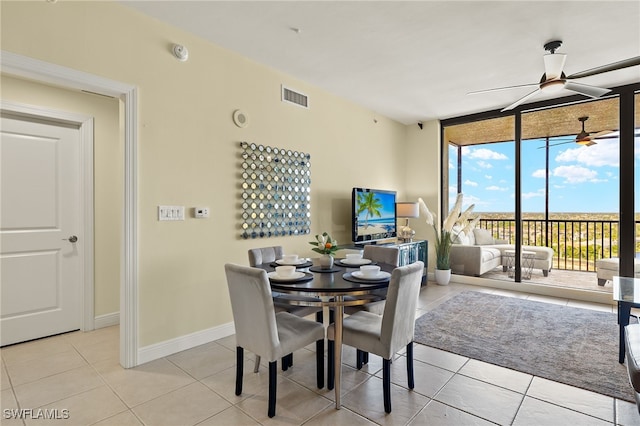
x=570, y=197
x=549, y=182
x=481, y=167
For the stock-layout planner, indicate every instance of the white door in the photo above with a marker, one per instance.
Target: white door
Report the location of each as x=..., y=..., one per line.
x=41, y=241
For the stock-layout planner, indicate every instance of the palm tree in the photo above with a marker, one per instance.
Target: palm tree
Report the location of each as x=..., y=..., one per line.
x=369, y=203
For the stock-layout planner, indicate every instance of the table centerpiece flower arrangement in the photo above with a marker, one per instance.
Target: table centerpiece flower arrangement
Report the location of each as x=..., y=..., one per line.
x=454, y=225
x=327, y=247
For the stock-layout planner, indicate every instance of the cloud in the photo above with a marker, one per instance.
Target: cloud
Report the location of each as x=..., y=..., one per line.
x=604, y=153
x=540, y=173
x=495, y=188
x=470, y=199
x=485, y=154
x=574, y=174
x=470, y=183
x=538, y=193
x=488, y=177
x=484, y=165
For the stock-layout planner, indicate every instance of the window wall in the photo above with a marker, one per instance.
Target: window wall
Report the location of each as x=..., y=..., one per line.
x=550, y=175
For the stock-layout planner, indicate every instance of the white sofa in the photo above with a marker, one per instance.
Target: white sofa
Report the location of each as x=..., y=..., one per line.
x=478, y=252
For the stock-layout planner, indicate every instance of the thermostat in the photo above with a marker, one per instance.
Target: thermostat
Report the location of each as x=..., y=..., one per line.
x=201, y=212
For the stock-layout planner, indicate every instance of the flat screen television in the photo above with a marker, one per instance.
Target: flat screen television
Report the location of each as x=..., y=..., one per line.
x=373, y=215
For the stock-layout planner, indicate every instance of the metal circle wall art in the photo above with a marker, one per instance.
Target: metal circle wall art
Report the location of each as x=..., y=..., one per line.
x=275, y=191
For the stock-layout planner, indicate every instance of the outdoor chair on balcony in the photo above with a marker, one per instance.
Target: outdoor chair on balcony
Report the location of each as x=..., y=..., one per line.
x=608, y=268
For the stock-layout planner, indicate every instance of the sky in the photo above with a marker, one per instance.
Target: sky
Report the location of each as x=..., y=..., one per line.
x=581, y=179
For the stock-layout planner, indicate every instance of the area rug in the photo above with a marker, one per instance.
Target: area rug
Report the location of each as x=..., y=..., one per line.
x=578, y=347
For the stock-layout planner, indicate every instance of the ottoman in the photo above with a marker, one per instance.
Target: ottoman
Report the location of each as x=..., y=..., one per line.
x=542, y=259
x=608, y=268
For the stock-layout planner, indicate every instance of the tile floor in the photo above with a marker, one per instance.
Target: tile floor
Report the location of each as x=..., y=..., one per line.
x=77, y=376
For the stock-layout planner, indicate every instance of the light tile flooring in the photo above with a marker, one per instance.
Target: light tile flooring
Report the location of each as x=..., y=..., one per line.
x=77, y=375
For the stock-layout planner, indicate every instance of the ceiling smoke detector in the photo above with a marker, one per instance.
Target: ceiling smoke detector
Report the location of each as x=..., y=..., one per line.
x=180, y=52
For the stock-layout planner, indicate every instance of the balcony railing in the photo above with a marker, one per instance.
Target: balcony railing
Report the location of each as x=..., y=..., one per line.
x=576, y=244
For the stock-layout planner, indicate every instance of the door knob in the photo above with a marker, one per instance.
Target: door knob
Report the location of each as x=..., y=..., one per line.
x=71, y=239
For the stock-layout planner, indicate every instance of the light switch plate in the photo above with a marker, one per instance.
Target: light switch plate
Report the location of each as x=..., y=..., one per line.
x=170, y=213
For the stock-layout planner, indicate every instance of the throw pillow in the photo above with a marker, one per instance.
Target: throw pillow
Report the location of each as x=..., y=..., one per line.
x=459, y=237
x=482, y=236
x=471, y=238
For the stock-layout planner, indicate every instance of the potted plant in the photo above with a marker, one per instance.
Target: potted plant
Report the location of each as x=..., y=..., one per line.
x=327, y=247
x=446, y=234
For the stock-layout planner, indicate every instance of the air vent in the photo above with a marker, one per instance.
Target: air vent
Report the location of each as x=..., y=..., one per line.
x=294, y=97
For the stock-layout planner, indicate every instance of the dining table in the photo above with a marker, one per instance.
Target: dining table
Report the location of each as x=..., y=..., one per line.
x=332, y=288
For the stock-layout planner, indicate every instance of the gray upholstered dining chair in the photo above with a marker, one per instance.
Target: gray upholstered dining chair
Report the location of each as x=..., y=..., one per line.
x=258, y=256
x=264, y=332
x=261, y=255
x=383, y=254
x=385, y=334
x=380, y=254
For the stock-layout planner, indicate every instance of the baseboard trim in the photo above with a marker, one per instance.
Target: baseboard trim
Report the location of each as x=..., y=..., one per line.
x=106, y=320
x=172, y=346
x=540, y=289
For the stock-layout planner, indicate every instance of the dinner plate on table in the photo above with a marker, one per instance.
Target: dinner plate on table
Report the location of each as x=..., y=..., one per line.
x=356, y=262
x=382, y=275
x=356, y=277
x=298, y=262
x=295, y=277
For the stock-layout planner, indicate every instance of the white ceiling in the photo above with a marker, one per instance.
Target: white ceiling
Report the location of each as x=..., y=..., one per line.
x=416, y=60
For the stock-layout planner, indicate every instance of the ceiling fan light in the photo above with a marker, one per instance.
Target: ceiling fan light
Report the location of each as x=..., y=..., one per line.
x=585, y=141
x=553, y=65
x=552, y=86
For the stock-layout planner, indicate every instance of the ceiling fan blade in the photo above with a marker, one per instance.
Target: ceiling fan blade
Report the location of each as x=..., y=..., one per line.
x=585, y=89
x=559, y=143
x=611, y=134
x=497, y=89
x=521, y=100
x=553, y=65
x=625, y=63
x=600, y=134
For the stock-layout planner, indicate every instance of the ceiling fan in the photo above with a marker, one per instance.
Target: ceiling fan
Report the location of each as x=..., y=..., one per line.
x=584, y=138
x=554, y=79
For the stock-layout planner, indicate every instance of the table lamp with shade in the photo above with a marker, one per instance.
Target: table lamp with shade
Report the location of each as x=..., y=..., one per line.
x=407, y=210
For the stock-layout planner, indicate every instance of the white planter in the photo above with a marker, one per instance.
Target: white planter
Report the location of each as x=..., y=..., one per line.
x=326, y=261
x=443, y=276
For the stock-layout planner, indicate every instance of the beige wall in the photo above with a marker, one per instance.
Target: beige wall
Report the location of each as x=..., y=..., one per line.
x=108, y=153
x=423, y=171
x=188, y=147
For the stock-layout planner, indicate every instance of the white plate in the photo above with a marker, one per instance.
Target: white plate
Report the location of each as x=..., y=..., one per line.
x=298, y=262
x=379, y=276
x=356, y=262
x=295, y=276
